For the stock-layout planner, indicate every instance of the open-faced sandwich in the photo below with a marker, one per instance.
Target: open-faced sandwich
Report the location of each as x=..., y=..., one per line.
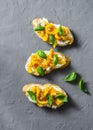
x=43, y=62
x=54, y=34
x=45, y=95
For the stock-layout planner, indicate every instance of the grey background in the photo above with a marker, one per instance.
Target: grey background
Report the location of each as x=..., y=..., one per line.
x=18, y=41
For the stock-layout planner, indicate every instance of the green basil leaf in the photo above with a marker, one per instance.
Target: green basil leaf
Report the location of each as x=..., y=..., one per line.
x=40, y=71
x=55, y=59
x=49, y=98
x=82, y=86
x=39, y=28
x=62, y=97
x=51, y=39
x=41, y=54
x=32, y=95
x=71, y=77
x=60, y=31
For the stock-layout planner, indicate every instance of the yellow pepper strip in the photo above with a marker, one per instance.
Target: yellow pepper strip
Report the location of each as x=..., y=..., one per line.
x=50, y=29
x=57, y=36
x=45, y=37
x=29, y=70
x=51, y=53
x=65, y=30
x=37, y=92
x=71, y=40
x=41, y=99
x=40, y=102
x=41, y=33
x=64, y=38
x=60, y=61
x=57, y=102
x=33, y=89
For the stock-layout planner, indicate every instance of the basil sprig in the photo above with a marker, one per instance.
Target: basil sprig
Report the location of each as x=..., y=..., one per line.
x=51, y=39
x=60, y=31
x=70, y=77
x=41, y=54
x=32, y=95
x=39, y=28
x=55, y=59
x=49, y=99
x=62, y=97
x=40, y=71
x=82, y=86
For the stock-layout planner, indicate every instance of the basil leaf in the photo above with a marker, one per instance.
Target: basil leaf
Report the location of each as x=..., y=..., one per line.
x=82, y=86
x=62, y=97
x=39, y=28
x=49, y=98
x=60, y=31
x=71, y=77
x=41, y=54
x=55, y=59
x=51, y=39
x=40, y=71
x=32, y=95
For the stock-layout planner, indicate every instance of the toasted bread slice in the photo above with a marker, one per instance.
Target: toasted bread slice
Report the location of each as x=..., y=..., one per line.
x=40, y=66
x=45, y=95
x=52, y=33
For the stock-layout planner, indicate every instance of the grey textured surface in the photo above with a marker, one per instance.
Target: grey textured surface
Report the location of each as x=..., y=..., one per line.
x=18, y=41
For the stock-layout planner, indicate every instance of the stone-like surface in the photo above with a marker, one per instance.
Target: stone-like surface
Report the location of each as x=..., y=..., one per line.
x=17, y=41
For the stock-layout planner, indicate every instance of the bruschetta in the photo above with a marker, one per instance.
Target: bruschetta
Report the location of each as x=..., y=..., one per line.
x=54, y=34
x=43, y=62
x=45, y=95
